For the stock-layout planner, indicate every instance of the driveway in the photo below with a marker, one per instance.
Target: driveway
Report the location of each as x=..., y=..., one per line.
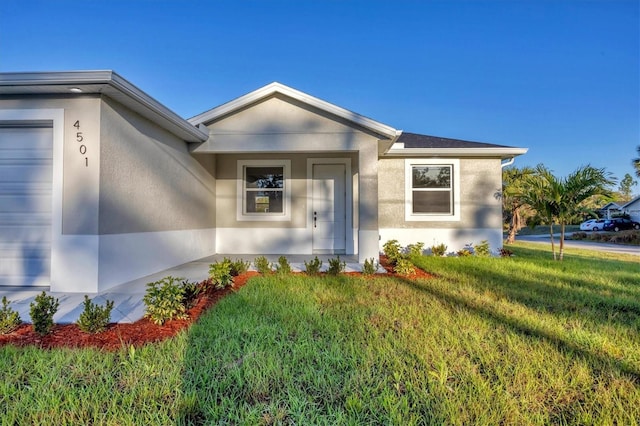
x=587, y=245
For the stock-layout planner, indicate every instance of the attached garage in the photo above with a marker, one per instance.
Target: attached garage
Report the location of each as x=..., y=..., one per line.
x=26, y=150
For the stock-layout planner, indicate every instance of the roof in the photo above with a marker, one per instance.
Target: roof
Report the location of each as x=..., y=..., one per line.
x=610, y=205
x=635, y=200
x=106, y=82
x=435, y=146
x=385, y=132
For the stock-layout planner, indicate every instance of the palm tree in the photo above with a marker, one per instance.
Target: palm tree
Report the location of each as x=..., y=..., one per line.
x=636, y=162
x=562, y=200
x=513, y=206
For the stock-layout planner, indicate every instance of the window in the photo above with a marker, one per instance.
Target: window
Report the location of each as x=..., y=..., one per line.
x=431, y=190
x=263, y=189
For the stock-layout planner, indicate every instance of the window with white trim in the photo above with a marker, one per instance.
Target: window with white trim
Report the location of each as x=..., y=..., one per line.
x=431, y=190
x=263, y=190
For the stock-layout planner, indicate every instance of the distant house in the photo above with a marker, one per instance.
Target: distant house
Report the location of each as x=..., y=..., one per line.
x=632, y=208
x=101, y=184
x=610, y=210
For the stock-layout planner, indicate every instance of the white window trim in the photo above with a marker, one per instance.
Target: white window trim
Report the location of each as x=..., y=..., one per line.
x=264, y=217
x=409, y=215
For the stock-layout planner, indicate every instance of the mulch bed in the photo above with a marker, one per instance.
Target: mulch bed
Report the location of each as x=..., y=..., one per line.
x=142, y=331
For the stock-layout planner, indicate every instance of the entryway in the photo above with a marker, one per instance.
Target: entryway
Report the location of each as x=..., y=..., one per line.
x=329, y=208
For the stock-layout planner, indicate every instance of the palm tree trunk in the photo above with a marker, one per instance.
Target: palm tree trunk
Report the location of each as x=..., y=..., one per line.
x=553, y=245
x=561, y=240
x=514, y=226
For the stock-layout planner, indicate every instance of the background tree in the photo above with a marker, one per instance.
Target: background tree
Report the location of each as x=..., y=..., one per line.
x=562, y=200
x=515, y=212
x=626, y=184
x=636, y=162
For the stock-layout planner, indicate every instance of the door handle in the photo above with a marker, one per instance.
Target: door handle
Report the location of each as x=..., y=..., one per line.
x=315, y=219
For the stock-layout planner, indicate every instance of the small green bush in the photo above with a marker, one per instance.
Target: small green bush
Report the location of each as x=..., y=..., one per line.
x=336, y=266
x=262, y=265
x=464, y=252
x=9, y=319
x=283, y=266
x=42, y=310
x=190, y=293
x=164, y=300
x=414, y=250
x=404, y=267
x=392, y=250
x=313, y=266
x=439, y=249
x=239, y=267
x=505, y=252
x=482, y=249
x=94, y=318
x=220, y=273
x=370, y=266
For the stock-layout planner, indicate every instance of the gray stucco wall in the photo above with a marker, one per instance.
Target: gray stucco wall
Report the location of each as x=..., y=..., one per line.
x=227, y=188
x=148, y=179
x=480, y=181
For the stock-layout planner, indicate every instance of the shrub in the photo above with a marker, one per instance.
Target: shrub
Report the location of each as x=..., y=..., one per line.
x=220, y=273
x=262, y=265
x=190, y=292
x=94, y=318
x=579, y=236
x=439, y=250
x=9, y=319
x=392, y=250
x=416, y=249
x=164, y=300
x=370, y=266
x=336, y=266
x=482, y=249
x=239, y=267
x=464, y=252
x=505, y=252
x=283, y=266
x=42, y=310
x=404, y=267
x=313, y=266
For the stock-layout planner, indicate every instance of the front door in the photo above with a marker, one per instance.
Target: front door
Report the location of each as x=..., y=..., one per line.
x=329, y=208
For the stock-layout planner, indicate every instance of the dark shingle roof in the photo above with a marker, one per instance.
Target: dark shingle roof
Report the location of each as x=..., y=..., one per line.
x=414, y=140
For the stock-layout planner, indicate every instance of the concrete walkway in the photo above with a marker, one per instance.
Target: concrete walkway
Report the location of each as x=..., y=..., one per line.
x=128, y=305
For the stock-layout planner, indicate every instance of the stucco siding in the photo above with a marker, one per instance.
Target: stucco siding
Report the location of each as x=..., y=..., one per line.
x=149, y=181
x=282, y=124
x=480, y=182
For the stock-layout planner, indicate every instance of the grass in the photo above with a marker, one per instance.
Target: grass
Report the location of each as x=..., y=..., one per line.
x=521, y=340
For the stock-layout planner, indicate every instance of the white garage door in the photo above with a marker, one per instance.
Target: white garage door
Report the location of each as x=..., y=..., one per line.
x=25, y=203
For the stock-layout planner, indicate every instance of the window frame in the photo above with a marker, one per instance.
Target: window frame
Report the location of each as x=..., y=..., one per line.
x=454, y=215
x=241, y=209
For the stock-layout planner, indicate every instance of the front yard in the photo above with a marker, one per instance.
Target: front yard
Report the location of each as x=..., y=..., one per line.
x=520, y=340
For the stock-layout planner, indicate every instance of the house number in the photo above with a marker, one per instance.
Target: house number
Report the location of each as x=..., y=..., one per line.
x=80, y=140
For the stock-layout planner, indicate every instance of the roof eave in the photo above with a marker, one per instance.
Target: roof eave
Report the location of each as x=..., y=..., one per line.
x=111, y=84
x=456, y=152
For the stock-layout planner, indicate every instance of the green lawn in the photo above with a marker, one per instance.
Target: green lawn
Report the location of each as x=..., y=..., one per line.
x=521, y=340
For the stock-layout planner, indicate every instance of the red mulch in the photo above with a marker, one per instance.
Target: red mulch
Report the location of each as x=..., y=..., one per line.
x=142, y=331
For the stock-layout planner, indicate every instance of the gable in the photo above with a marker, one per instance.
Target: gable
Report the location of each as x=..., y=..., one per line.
x=281, y=123
x=280, y=114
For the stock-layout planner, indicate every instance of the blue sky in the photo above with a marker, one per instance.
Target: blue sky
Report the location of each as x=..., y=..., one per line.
x=559, y=77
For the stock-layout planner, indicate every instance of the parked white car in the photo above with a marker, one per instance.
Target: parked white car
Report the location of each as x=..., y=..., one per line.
x=592, y=225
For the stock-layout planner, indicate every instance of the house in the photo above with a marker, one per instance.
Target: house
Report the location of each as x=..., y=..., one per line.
x=610, y=210
x=101, y=184
x=632, y=208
